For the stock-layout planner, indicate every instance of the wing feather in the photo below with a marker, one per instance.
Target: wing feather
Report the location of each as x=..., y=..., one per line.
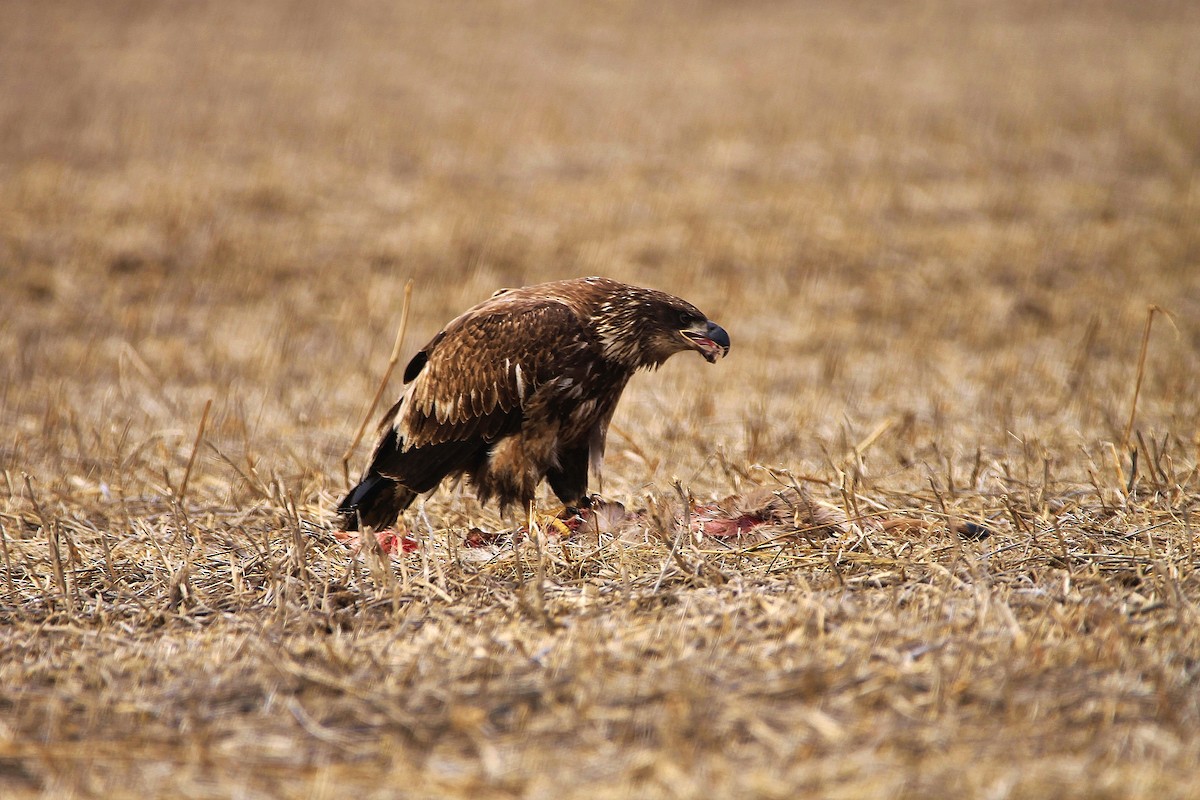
x=475, y=377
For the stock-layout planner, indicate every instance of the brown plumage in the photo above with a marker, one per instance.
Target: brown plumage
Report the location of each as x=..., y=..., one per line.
x=520, y=388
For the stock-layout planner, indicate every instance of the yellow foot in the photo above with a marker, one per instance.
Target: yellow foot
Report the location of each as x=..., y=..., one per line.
x=556, y=523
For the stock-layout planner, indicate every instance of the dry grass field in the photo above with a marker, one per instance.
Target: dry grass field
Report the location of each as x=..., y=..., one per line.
x=933, y=231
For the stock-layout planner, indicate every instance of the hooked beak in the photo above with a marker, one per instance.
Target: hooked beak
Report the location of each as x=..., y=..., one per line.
x=709, y=338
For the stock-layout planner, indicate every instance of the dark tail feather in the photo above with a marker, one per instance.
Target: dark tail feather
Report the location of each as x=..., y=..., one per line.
x=376, y=502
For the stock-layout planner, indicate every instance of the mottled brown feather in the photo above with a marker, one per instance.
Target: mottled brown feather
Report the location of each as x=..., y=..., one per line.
x=504, y=367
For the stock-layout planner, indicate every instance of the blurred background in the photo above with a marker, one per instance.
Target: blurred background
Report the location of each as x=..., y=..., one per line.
x=943, y=218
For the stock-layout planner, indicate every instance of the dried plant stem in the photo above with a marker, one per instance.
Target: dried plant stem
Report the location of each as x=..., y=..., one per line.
x=187, y=473
x=539, y=587
x=8, y=573
x=873, y=436
x=682, y=530
x=60, y=576
x=1141, y=372
x=632, y=444
x=387, y=376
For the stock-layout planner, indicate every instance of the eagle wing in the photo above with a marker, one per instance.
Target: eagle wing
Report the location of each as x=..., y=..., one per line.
x=472, y=382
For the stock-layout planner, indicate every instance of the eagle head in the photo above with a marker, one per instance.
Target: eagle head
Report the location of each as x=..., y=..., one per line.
x=644, y=328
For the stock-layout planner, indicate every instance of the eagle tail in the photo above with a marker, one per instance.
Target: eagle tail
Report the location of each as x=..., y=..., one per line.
x=376, y=502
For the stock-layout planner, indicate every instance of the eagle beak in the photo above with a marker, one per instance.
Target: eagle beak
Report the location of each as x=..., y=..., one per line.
x=709, y=338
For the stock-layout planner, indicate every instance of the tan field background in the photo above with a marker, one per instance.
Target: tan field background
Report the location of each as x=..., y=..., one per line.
x=933, y=231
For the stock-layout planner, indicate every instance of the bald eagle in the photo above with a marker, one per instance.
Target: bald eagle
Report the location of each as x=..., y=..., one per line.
x=520, y=388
